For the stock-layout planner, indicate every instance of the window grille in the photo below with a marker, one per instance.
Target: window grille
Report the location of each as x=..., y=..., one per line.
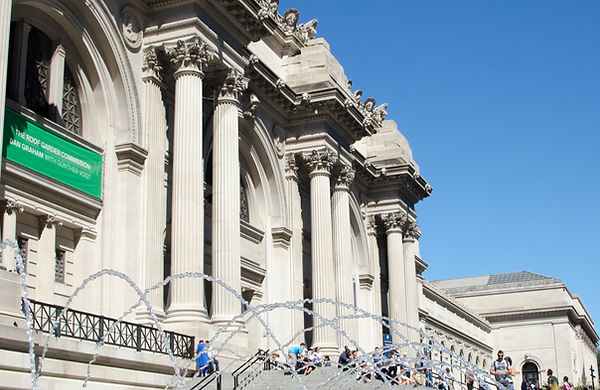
x=244, y=211
x=36, y=73
x=71, y=113
x=59, y=266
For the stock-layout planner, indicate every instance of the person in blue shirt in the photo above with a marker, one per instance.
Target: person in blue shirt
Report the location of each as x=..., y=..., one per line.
x=202, y=358
x=296, y=352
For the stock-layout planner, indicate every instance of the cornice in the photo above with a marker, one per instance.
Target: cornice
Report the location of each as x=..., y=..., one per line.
x=454, y=332
x=451, y=304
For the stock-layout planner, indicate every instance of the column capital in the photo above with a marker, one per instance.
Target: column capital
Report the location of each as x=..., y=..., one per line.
x=344, y=178
x=320, y=161
x=50, y=221
x=189, y=56
x=9, y=206
x=291, y=167
x=234, y=84
x=371, y=225
x=151, y=68
x=394, y=222
x=411, y=231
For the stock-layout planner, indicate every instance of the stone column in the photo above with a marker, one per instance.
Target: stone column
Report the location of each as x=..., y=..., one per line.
x=295, y=212
x=342, y=252
x=5, y=11
x=377, y=332
x=9, y=232
x=396, y=274
x=155, y=128
x=411, y=233
x=226, y=198
x=187, y=231
x=46, y=258
x=323, y=271
x=56, y=77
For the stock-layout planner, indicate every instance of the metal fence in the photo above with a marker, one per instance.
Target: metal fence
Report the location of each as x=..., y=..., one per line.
x=85, y=326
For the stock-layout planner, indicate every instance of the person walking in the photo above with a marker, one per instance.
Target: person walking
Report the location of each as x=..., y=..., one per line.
x=566, y=385
x=498, y=369
x=552, y=380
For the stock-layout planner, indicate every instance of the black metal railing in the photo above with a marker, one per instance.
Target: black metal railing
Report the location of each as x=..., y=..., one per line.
x=240, y=381
x=86, y=326
x=207, y=380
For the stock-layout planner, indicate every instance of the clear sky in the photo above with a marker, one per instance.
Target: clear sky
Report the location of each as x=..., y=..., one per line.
x=500, y=102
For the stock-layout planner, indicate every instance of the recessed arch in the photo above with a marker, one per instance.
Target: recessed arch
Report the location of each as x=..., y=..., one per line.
x=97, y=59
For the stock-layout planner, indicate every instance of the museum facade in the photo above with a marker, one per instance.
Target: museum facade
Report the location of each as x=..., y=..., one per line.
x=156, y=138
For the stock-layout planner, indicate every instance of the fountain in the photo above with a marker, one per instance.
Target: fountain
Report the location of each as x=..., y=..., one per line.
x=365, y=365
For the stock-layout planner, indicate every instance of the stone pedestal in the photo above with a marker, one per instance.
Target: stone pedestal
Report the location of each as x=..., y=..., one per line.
x=187, y=232
x=226, y=199
x=396, y=273
x=323, y=272
x=155, y=197
x=342, y=253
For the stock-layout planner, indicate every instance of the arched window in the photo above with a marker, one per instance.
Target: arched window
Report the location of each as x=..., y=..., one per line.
x=41, y=80
x=531, y=372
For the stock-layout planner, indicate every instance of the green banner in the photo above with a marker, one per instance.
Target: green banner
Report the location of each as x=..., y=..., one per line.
x=35, y=147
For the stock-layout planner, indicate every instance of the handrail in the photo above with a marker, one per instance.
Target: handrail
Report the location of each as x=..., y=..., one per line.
x=259, y=355
x=54, y=319
x=207, y=380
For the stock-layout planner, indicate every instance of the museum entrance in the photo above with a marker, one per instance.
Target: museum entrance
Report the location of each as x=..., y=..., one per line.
x=531, y=373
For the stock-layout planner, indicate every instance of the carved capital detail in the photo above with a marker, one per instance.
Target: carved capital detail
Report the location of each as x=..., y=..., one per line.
x=320, y=160
x=234, y=84
x=50, y=221
x=394, y=221
x=345, y=177
x=151, y=67
x=371, y=224
x=411, y=230
x=189, y=55
x=10, y=206
x=291, y=166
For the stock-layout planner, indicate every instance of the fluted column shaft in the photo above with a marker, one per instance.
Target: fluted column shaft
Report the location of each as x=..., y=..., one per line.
x=412, y=297
x=295, y=211
x=342, y=252
x=187, y=231
x=323, y=273
x=396, y=273
x=377, y=334
x=226, y=198
x=154, y=125
x=5, y=11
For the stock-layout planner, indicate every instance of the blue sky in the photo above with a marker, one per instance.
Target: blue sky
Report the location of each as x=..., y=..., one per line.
x=500, y=102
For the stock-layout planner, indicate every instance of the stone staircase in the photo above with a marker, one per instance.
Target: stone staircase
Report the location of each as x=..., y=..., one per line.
x=321, y=378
